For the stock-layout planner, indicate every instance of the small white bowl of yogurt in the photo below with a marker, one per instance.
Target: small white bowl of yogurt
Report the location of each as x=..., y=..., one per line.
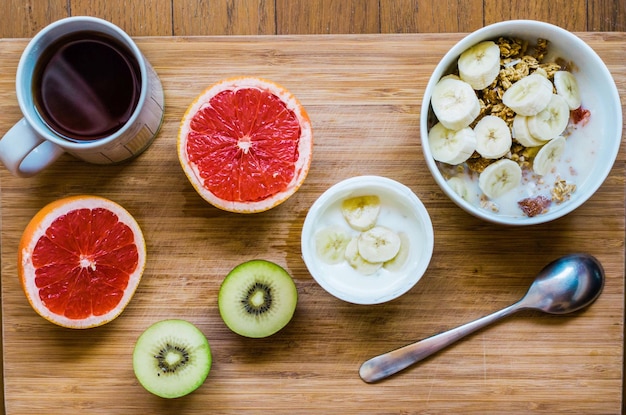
x=367, y=240
x=592, y=136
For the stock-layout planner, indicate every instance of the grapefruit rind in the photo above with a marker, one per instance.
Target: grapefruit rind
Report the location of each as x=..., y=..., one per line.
x=38, y=226
x=305, y=145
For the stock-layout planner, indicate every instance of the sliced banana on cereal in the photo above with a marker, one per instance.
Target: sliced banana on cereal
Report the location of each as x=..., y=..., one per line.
x=451, y=146
x=331, y=243
x=493, y=137
x=548, y=156
x=357, y=262
x=522, y=134
x=499, y=178
x=361, y=212
x=479, y=65
x=567, y=86
x=379, y=244
x=551, y=121
x=455, y=103
x=529, y=95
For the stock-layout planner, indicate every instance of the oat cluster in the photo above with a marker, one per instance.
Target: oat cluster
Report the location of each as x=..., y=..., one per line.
x=562, y=191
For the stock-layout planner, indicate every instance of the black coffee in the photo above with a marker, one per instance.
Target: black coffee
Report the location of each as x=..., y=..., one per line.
x=86, y=86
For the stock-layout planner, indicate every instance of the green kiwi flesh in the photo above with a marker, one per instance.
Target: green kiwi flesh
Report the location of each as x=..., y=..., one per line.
x=172, y=358
x=257, y=298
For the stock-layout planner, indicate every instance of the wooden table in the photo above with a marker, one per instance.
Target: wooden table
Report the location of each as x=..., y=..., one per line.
x=363, y=93
x=24, y=18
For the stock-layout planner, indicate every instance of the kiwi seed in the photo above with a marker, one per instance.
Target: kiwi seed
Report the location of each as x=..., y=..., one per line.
x=171, y=358
x=258, y=299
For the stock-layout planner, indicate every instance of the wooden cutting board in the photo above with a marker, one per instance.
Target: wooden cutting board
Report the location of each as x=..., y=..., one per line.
x=363, y=94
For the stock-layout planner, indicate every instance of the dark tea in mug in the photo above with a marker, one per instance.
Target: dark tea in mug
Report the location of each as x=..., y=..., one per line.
x=87, y=86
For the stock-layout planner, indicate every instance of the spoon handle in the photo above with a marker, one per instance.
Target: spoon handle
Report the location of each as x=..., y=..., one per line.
x=387, y=364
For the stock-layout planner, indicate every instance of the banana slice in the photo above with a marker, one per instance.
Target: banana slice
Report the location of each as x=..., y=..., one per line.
x=479, y=65
x=378, y=244
x=460, y=188
x=493, y=137
x=361, y=212
x=396, y=263
x=522, y=134
x=529, y=95
x=357, y=262
x=330, y=244
x=567, y=87
x=499, y=178
x=455, y=103
x=542, y=72
x=450, y=76
x=548, y=156
x=551, y=121
x=452, y=147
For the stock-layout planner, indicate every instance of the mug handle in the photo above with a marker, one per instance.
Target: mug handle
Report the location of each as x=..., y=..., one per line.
x=24, y=153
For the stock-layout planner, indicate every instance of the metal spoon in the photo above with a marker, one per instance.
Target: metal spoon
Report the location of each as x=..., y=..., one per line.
x=567, y=284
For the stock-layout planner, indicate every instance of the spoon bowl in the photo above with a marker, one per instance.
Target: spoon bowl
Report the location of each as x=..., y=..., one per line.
x=565, y=285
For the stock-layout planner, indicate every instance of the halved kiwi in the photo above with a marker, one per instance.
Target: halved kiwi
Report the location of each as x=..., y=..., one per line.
x=257, y=298
x=172, y=358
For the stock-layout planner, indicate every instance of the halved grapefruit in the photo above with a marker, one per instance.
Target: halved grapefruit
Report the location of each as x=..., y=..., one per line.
x=80, y=261
x=245, y=144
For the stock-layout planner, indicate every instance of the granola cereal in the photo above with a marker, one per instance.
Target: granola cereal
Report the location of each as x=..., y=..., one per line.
x=519, y=59
x=562, y=191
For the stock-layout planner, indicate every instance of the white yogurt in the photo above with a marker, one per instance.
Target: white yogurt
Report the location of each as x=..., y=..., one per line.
x=392, y=215
x=401, y=211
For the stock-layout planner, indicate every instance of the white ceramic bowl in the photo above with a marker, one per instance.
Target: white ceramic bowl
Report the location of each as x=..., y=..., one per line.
x=401, y=210
x=599, y=95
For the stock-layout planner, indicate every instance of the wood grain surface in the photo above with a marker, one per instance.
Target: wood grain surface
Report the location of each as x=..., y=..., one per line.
x=24, y=18
x=363, y=93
